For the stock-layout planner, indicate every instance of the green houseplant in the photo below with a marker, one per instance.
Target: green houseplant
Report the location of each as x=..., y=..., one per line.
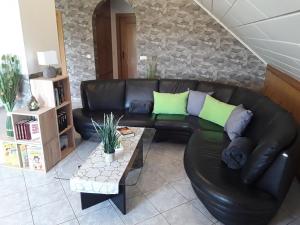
x=152, y=68
x=109, y=135
x=10, y=76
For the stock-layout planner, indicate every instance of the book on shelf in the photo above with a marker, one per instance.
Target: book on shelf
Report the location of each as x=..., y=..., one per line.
x=35, y=157
x=27, y=130
x=62, y=121
x=10, y=154
x=126, y=132
x=59, y=94
x=24, y=155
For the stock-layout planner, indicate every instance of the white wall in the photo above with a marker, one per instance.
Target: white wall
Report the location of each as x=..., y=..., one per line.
x=270, y=28
x=38, y=20
x=11, y=38
x=117, y=6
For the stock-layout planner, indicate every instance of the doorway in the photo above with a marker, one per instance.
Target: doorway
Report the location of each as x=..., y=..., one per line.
x=114, y=30
x=126, y=38
x=103, y=41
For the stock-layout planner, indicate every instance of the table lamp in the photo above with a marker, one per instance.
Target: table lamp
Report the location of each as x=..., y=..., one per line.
x=48, y=58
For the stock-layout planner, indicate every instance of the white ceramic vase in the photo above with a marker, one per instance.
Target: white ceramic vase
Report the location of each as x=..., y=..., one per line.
x=109, y=158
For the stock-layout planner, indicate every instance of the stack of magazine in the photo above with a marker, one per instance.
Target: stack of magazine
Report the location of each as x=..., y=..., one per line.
x=126, y=132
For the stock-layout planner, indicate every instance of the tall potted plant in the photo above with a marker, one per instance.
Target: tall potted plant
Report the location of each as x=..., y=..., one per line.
x=10, y=76
x=152, y=68
x=109, y=135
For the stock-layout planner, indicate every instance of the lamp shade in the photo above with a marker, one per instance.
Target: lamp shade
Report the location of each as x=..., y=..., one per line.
x=47, y=58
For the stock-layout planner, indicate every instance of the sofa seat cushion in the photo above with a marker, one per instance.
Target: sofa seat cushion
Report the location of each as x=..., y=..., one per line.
x=172, y=122
x=197, y=123
x=82, y=119
x=138, y=120
x=217, y=183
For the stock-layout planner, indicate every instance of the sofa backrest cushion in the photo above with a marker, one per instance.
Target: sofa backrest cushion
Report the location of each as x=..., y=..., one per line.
x=103, y=94
x=221, y=92
x=176, y=86
x=280, y=133
x=140, y=89
x=263, y=109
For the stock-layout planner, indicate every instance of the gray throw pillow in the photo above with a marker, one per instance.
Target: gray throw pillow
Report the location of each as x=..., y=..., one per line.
x=237, y=122
x=196, y=101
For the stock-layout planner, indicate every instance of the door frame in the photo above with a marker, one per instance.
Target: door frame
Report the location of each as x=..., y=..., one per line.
x=118, y=33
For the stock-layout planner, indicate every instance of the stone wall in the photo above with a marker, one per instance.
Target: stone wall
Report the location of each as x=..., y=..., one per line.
x=186, y=40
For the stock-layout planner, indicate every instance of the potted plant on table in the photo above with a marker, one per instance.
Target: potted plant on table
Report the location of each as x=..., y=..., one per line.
x=109, y=135
x=10, y=77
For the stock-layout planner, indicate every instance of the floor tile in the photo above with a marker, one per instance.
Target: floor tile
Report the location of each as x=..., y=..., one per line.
x=37, y=178
x=44, y=194
x=53, y=213
x=184, y=187
x=104, y=216
x=295, y=222
x=9, y=172
x=291, y=202
x=186, y=214
x=66, y=186
x=165, y=198
x=171, y=171
x=70, y=222
x=149, y=181
x=13, y=203
x=84, y=149
x=75, y=202
x=132, y=191
x=199, y=205
x=21, y=218
x=12, y=185
x=66, y=168
x=283, y=217
x=157, y=220
x=138, y=210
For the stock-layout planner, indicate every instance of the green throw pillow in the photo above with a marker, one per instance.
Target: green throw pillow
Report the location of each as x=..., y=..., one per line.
x=216, y=111
x=167, y=103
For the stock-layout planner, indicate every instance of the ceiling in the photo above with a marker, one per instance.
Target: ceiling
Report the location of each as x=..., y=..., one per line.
x=269, y=28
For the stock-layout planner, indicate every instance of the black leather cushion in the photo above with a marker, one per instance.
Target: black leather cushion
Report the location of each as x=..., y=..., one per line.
x=279, y=134
x=221, y=92
x=264, y=112
x=140, y=107
x=245, y=97
x=104, y=95
x=176, y=86
x=221, y=188
x=197, y=123
x=172, y=122
x=140, y=89
x=83, y=123
x=138, y=120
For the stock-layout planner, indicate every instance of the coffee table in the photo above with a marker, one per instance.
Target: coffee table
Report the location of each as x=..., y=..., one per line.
x=98, y=181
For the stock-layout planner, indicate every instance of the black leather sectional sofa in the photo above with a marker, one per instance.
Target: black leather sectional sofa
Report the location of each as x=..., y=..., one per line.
x=220, y=189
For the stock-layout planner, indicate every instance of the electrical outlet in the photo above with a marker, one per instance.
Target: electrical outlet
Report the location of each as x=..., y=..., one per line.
x=143, y=58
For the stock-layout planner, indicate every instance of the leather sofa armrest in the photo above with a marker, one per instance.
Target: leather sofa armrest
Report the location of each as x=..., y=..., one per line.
x=279, y=176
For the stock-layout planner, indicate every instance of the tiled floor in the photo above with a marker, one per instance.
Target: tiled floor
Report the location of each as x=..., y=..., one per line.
x=162, y=195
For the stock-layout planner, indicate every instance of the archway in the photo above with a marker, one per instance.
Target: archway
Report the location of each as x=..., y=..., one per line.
x=114, y=31
x=102, y=40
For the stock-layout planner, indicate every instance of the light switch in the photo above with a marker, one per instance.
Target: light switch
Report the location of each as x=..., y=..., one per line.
x=143, y=58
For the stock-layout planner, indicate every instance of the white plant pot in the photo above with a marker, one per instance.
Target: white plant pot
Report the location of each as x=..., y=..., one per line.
x=109, y=158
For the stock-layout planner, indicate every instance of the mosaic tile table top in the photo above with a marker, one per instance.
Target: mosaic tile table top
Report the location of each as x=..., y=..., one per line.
x=99, y=177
